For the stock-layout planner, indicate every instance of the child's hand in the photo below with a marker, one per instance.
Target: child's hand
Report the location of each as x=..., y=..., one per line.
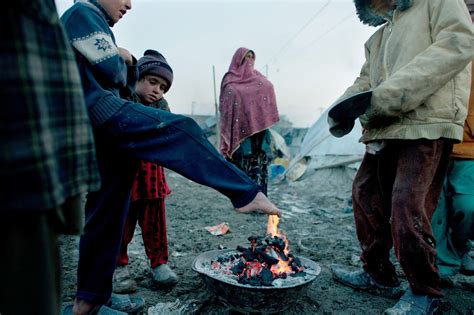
x=126, y=56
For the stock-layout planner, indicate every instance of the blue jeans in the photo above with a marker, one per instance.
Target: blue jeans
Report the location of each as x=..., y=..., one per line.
x=136, y=133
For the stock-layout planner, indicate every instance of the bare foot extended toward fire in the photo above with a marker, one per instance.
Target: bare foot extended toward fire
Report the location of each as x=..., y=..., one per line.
x=81, y=307
x=260, y=204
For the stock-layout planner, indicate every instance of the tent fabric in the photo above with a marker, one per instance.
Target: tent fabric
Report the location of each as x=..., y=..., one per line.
x=320, y=149
x=279, y=143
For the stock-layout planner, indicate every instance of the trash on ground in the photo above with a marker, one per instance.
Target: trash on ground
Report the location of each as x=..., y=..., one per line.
x=219, y=229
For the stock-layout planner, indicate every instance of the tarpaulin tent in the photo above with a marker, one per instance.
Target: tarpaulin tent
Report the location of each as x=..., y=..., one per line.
x=320, y=149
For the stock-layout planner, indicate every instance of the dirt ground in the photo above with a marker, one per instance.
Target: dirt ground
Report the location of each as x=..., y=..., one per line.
x=318, y=223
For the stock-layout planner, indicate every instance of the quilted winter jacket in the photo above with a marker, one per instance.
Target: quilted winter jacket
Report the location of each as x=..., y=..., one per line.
x=418, y=66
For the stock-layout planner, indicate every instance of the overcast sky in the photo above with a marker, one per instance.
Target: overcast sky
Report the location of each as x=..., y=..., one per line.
x=313, y=49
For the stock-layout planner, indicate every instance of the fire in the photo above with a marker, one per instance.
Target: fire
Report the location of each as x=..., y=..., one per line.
x=272, y=225
x=283, y=266
x=266, y=259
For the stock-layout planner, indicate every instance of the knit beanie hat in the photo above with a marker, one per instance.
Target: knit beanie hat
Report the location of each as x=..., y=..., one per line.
x=154, y=63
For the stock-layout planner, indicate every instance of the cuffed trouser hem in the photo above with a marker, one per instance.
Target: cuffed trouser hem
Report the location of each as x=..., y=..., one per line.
x=93, y=298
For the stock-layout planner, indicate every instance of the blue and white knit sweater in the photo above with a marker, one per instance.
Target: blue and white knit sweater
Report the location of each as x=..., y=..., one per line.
x=105, y=76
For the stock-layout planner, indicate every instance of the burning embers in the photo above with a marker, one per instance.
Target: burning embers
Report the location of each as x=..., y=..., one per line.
x=266, y=260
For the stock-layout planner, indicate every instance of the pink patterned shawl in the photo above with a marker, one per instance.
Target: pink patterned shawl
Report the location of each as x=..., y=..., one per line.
x=247, y=103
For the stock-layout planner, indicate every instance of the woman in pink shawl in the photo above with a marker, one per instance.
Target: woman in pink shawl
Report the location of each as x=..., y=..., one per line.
x=248, y=108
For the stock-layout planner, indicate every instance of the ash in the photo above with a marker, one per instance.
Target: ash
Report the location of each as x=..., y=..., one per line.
x=225, y=275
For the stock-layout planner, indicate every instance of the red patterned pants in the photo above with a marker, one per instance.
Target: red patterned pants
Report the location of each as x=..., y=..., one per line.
x=150, y=215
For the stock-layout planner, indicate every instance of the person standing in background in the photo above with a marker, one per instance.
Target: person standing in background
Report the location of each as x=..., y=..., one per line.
x=247, y=109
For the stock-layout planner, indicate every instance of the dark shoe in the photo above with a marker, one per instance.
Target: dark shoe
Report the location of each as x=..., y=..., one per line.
x=414, y=304
x=467, y=265
x=361, y=280
x=164, y=276
x=126, y=303
x=122, y=281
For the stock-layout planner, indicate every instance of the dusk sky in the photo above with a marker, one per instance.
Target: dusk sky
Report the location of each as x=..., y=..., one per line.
x=313, y=49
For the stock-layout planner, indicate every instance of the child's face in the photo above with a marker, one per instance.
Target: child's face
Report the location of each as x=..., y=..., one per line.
x=151, y=88
x=116, y=8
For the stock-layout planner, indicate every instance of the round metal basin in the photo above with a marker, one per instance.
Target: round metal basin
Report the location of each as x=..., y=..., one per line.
x=247, y=298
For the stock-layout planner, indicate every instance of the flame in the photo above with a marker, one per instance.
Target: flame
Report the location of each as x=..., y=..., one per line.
x=272, y=229
x=272, y=225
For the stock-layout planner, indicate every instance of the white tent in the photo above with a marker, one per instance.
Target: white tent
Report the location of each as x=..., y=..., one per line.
x=279, y=143
x=320, y=149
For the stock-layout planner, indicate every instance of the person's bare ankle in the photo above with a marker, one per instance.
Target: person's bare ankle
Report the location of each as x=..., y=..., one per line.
x=81, y=307
x=260, y=204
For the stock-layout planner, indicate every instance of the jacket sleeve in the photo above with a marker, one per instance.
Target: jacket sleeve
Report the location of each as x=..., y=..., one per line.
x=92, y=38
x=451, y=51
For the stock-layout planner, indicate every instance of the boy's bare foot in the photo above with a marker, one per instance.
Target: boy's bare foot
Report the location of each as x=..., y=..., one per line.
x=81, y=307
x=260, y=204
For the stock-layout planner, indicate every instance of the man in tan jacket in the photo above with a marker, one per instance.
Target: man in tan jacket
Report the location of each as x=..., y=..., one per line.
x=418, y=69
x=453, y=220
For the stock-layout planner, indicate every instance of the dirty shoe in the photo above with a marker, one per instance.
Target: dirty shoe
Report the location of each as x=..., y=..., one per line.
x=126, y=303
x=467, y=265
x=414, y=304
x=122, y=281
x=164, y=276
x=361, y=280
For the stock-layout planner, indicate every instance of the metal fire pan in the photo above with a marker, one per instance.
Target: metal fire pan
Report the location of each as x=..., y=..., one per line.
x=247, y=298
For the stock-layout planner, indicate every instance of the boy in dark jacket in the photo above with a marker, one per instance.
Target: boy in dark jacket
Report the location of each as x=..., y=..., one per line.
x=125, y=133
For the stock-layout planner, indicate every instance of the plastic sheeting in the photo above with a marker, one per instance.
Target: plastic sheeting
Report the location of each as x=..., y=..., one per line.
x=320, y=149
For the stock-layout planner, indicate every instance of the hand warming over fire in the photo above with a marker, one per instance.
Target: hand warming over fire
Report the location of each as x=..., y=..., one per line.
x=260, y=204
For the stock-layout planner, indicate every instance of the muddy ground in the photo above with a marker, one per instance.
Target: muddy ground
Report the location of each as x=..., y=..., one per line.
x=318, y=223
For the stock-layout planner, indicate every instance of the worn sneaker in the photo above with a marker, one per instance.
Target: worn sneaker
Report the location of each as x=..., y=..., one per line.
x=361, y=280
x=126, y=303
x=164, y=276
x=122, y=281
x=467, y=265
x=414, y=304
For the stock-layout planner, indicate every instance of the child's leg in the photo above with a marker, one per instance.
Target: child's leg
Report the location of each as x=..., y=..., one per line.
x=176, y=142
x=128, y=231
x=153, y=223
x=106, y=211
